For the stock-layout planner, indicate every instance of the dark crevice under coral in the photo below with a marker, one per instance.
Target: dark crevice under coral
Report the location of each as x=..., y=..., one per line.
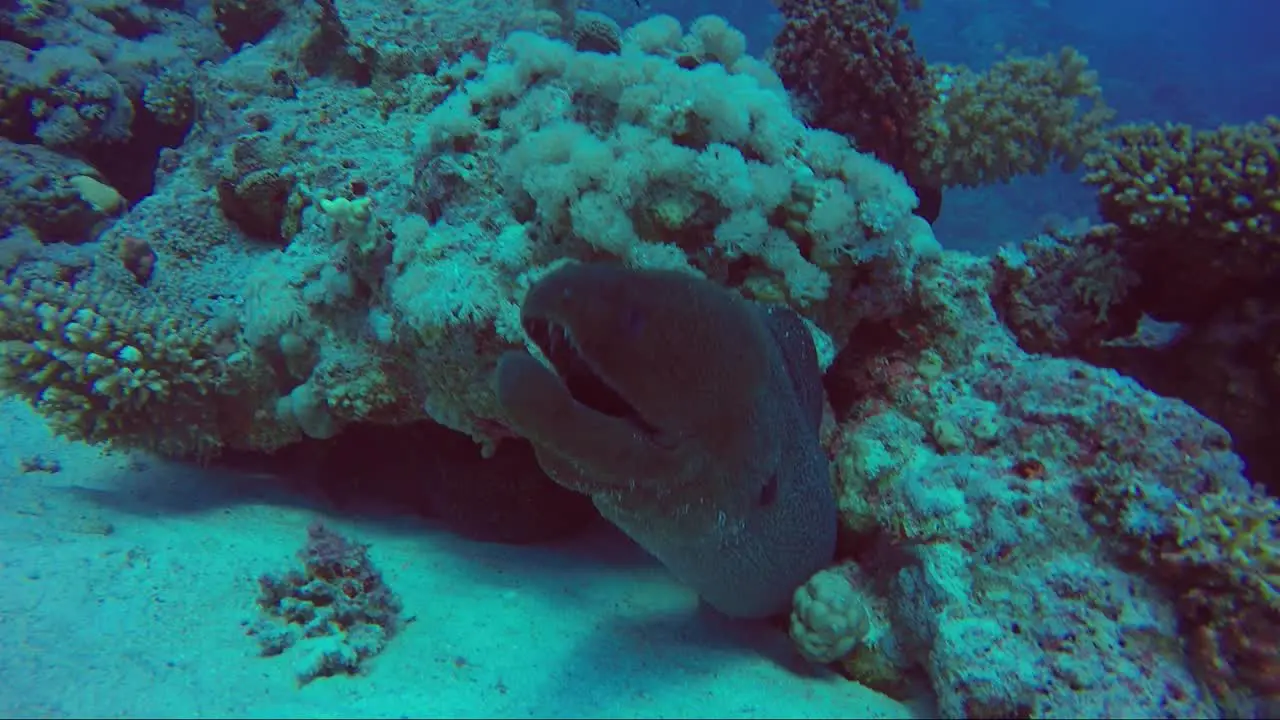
x=426, y=469
x=130, y=167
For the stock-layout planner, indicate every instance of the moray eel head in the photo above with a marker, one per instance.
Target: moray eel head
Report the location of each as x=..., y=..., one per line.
x=690, y=415
x=550, y=322
x=620, y=340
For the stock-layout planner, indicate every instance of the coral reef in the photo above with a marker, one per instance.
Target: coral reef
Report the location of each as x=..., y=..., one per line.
x=1020, y=116
x=1177, y=290
x=853, y=70
x=310, y=223
x=856, y=71
x=1068, y=294
x=102, y=369
x=596, y=32
x=105, y=81
x=1203, y=206
x=1184, y=279
x=541, y=154
x=973, y=482
x=53, y=197
x=65, y=98
x=337, y=611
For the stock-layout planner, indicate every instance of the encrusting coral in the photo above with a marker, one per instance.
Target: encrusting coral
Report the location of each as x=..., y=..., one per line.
x=337, y=610
x=1218, y=548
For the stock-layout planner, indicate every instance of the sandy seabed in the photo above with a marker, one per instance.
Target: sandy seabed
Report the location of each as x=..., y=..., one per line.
x=126, y=584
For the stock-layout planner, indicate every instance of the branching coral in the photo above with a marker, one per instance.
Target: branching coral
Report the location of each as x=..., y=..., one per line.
x=100, y=370
x=1021, y=116
x=859, y=72
x=940, y=125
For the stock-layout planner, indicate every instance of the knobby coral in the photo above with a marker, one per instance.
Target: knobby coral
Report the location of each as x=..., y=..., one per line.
x=337, y=609
x=1198, y=199
x=858, y=71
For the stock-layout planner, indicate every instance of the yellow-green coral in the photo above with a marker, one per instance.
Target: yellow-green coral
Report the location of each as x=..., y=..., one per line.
x=102, y=371
x=33, y=11
x=1227, y=544
x=1173, y=181
x=361, y=393
x=1021, y=116
x=1236, y=537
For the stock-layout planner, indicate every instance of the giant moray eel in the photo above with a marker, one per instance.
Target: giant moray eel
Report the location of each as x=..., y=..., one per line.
x=690, y=416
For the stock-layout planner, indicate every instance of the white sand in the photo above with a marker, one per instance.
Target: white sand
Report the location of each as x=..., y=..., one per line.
x=124, y=583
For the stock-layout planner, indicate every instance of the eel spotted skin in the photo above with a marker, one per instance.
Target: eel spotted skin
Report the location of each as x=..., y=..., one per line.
x=690, y=416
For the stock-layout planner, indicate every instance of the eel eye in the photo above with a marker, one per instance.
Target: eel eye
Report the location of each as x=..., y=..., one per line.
x=769, y=493
x=633, y=322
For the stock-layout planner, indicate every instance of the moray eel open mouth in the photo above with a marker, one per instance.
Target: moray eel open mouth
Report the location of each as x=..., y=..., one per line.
x=582, y=380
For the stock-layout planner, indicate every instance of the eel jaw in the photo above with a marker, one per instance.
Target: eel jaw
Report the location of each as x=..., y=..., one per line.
x=585, y=382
